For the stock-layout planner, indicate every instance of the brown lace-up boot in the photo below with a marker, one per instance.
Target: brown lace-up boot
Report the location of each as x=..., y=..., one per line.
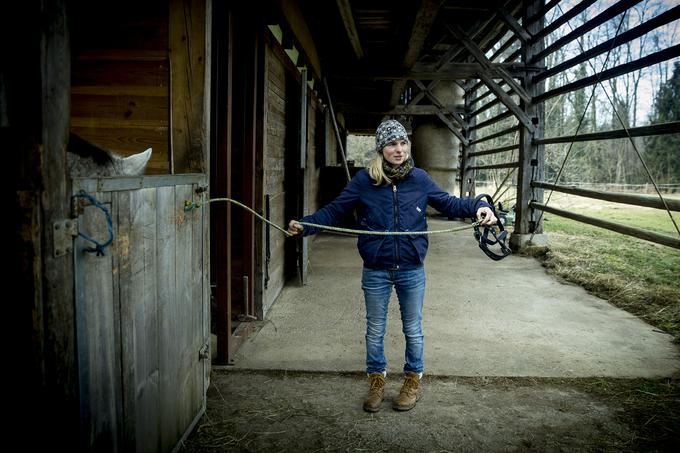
x=376, y=392
x=409, y=394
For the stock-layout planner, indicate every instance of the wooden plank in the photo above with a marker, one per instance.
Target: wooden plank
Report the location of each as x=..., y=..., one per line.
x=487, y=71
x=606, y=15
x=187, y=85
x=122, y=54
x=98, y=335
x=508, y=101
x=672, y=127
x=494, y=166
x=117, y=73
x=110, y=184
x=627, y=198
x=639, y=233
x=492, y=120
x=179, y=352
x=167, y=218
x=125, y=140
x=148, y=108
x=123, y=275
x=121, y=90
x=511, y=22
x=497, y=134
x=561, y=20
x=627, y=36
x=144, y=299
x=494, y=150
x=649, y=60
x=350, y=27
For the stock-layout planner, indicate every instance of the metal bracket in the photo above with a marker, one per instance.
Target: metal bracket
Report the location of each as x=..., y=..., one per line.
x=63, y=232
x=204, y=352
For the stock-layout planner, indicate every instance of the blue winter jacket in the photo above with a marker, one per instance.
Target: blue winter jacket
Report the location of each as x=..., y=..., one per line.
x=397, y=207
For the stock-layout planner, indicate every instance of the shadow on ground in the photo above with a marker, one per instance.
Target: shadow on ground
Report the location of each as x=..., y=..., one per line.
x=305, y=411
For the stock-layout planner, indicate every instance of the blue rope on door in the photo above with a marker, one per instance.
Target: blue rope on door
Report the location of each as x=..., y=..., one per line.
x=98, y=248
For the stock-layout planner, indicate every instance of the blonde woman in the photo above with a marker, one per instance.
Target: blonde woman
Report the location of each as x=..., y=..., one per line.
x=391, y=194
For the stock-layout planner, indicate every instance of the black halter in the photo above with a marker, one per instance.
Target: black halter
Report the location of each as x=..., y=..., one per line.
x=498, y=238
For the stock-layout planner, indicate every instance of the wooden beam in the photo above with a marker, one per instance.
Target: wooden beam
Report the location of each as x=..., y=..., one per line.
x=508, y=102
x=509, y=130
x=657, y=238
x=439, y=104
x=498, y=150
x=642, y=131
x=424, y=110
x=421, y=27
x=452, y=128
x=510, y=21
x=187, y=40
x=563, y=19
x=348, y=20
x=541, y=13
x=596, y=21
x=490, y=121
x=494, y=166
x=296, y=21
x=626, y=198
x=477, y=53
x=649, y=60
x=627, y=36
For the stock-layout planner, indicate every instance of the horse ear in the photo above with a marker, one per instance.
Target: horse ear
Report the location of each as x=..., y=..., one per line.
x=135, y=164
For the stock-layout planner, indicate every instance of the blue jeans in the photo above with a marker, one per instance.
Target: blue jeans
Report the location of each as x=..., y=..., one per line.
x=410, y=287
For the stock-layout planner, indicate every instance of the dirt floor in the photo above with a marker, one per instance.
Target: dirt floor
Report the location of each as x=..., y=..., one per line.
x=306, y=411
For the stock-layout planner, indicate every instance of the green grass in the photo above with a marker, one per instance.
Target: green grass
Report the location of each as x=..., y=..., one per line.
x=638, y=276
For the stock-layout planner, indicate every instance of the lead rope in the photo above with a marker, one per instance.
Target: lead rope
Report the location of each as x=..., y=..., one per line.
x=190, y=206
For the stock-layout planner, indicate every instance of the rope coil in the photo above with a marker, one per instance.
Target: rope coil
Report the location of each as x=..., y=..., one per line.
x=98, y=248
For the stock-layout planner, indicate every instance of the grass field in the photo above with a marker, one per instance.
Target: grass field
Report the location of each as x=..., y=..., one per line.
x=635, y=275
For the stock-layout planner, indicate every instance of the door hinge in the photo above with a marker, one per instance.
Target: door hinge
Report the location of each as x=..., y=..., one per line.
x=63, y=232
x=204, y=352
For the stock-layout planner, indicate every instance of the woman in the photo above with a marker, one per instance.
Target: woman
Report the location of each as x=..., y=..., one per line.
x=392, y=195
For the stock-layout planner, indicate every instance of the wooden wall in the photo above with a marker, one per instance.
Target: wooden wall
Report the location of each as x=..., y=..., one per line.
x=120, y=98
x=274, y=168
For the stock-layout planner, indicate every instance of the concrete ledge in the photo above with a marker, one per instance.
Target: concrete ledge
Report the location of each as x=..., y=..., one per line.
x=518, y=241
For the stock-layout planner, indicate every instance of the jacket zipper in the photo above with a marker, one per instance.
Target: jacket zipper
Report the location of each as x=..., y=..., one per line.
x=396, y=217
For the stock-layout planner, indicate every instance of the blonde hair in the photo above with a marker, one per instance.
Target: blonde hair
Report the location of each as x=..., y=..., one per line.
x=376, y=171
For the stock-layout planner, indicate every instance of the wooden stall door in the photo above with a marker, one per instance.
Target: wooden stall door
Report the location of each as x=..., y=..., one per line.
x=141, y=313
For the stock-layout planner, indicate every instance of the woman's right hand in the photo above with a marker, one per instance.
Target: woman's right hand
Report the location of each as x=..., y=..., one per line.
x=294, y=227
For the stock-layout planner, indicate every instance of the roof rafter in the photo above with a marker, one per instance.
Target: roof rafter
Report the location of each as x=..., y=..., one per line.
x=421, y=27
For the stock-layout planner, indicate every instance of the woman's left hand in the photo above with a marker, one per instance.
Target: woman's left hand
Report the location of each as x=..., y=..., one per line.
x=485, y=216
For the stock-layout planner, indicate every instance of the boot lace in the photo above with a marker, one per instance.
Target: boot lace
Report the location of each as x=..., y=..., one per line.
x=410, y=385
x=377, y=383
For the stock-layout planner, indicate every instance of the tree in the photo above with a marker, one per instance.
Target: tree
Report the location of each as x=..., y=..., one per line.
x=662, y=152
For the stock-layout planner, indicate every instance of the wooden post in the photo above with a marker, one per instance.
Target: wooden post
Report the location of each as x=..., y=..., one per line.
x=35, y=85
x=467, y=177
x=531, y=157
x=187, y=85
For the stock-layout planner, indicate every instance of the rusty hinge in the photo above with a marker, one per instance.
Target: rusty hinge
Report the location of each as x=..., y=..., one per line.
x=63, y=232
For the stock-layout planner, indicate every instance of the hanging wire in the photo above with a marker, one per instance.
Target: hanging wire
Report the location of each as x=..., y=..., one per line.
x=635, y=148
x=580, y=122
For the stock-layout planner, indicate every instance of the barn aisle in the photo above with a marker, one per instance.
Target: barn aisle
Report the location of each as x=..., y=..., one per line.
x=481, y=318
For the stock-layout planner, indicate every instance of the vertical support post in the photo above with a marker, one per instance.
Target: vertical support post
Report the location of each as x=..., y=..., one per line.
x=467, y=177
x=531, y=157
x=303, y=245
